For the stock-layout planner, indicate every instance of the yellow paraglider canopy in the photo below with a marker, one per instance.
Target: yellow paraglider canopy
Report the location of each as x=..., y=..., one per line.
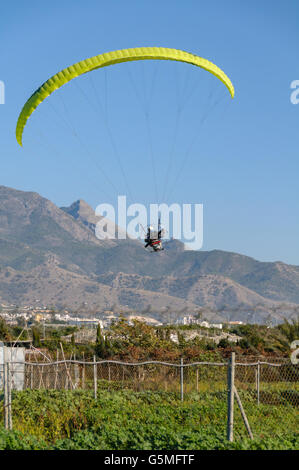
x=110, y=58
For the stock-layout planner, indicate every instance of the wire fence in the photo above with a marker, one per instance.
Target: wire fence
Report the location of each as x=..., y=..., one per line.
x=115, y=375
x=267, y=393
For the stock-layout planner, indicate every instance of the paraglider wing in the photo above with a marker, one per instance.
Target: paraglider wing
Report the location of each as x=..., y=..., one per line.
x=110, y=58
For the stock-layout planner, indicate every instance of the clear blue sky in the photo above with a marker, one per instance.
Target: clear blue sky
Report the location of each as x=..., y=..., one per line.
x=243, y=167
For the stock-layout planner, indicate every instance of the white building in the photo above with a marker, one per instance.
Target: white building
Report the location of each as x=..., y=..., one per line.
x=191, y=320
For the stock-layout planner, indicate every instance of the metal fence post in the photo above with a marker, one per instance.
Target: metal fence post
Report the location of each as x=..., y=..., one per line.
x=5, y=389
x=9, y=377
x=83, y=373
x=182, y=379
x=258, y=382
x=95, y=378
x=247, y=425
x=56, y=369
x=230, y=398
x=31, y=376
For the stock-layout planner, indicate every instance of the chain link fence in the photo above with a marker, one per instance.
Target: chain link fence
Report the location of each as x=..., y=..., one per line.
x=266, y=392
x=181, y=379
x=270, y=396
